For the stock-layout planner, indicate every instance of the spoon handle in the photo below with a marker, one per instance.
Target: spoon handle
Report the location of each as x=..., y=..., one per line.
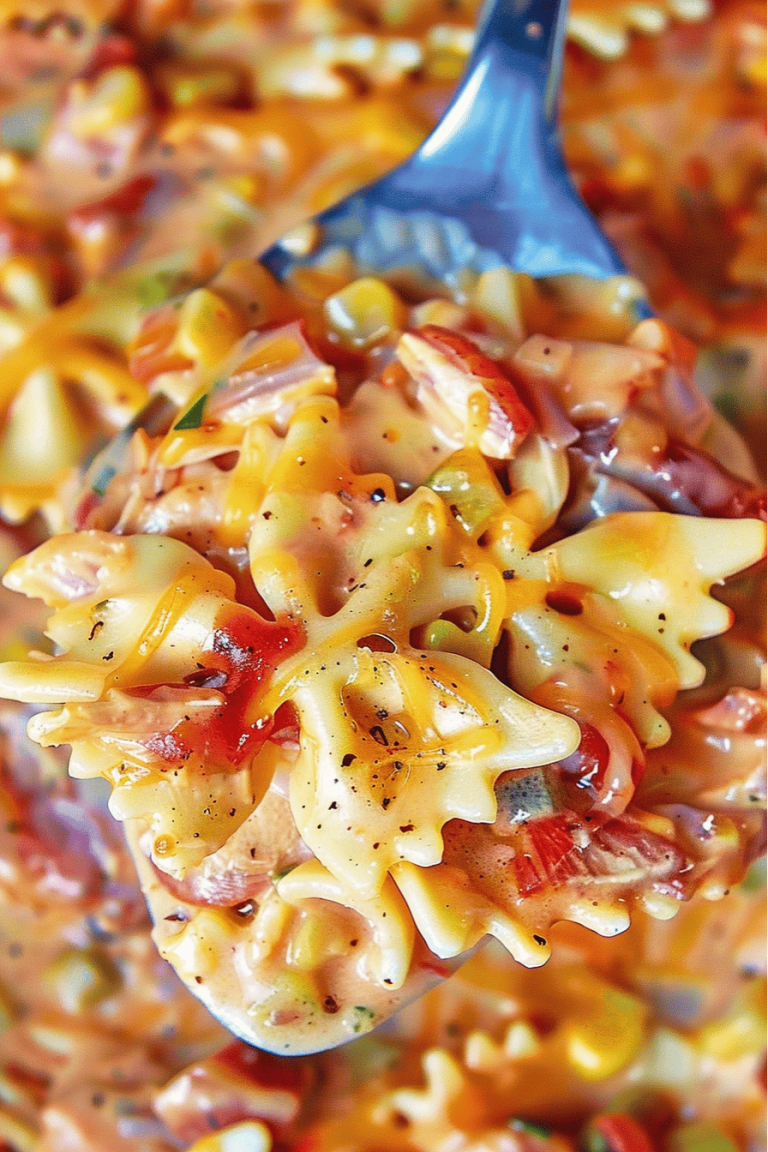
x=489, y=186
x=531, y=34
x=507, y=99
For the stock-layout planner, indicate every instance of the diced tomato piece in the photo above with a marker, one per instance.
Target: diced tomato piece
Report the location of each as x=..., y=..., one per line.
x=249, y=648
x=263, y=1067
x=245, y=650
x=550, y=857
x=527, y=875
x=286, y=729
x=621, y=1133
x=587, y=765
x=110, y=52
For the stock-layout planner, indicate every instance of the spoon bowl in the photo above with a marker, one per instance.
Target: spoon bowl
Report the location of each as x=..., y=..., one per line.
x=488, y=188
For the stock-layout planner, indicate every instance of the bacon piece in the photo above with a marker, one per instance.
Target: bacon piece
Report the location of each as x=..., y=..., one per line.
x=152, y=352
x=124, y=201
x=712, y=488
x=109, y=52
x=570, y=851
x=279, y=368
x=454, y=374
x=238, y=1083
x=680, y=479
x=620, y=1133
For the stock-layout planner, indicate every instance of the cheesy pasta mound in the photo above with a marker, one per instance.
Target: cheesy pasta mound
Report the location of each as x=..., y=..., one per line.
x=379, y=639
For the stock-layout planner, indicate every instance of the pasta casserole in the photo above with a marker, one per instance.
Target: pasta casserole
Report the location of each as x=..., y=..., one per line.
x=374, y=652
x=401, y=647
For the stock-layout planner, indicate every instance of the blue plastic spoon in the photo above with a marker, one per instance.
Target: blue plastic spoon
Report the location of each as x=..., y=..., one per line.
x=489, y=187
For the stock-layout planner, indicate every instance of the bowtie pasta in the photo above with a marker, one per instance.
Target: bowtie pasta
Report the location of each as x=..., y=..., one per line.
x=201, y=574
x=377, y=643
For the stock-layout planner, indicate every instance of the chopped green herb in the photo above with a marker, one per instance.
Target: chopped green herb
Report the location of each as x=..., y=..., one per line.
x=193, y=417
x=155, y=289
x=469, y=488
x=103, y=480
x=365, y=1017
x=755, y=877
x=700, y=1137
x=518, y=1125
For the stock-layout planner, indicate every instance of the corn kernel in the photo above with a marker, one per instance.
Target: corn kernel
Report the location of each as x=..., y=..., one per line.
x=607, y=1037
x=117, y=95
x=188, y=87
x=246, y=1136
x=497, y=296
x=208, y=327
x=27, y=280
x=701, y=1137
x=42, y=435
x=742, y=1030
x=735, y=1036
x=80, y=978
x=195, y=951
x=18, y=1134
x=364, y=312
x=288, y=987
x=312, y=943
